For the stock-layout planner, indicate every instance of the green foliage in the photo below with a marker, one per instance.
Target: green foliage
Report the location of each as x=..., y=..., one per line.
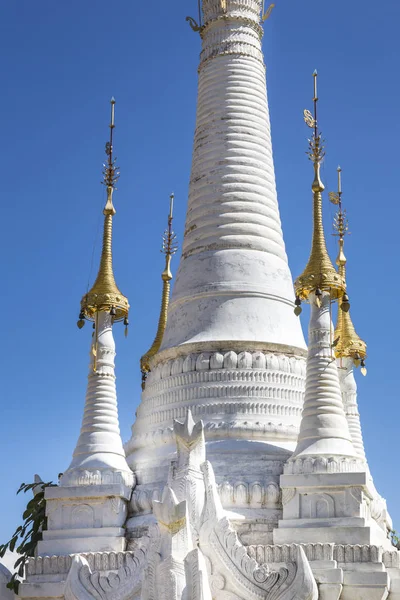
x=27, y=535
x=395, y=539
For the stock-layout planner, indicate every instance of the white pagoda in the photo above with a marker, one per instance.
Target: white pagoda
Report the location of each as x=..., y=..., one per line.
x=245, y=477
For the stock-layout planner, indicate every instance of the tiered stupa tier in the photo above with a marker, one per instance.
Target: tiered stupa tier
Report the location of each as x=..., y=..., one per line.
x=233, y=351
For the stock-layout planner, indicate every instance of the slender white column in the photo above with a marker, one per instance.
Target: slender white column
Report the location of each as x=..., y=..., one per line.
x=324, y=429
x=233, y=281
x=348, y=388
x=99, y=454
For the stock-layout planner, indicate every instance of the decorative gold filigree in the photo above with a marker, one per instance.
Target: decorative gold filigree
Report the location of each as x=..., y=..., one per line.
x=309, y=119
x=349, y=345
x=169, y=248
x=348, y=342
x=105, y=294
x=334, y=197
x=319, y=274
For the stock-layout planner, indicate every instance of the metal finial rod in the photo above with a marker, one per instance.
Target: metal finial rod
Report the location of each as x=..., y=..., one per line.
x=112, y=101
x=169, y=246
x=112, y=125
x=110, y=169
x=315, y=100
x=340, y=221
x=342, y=224
x=341, y=214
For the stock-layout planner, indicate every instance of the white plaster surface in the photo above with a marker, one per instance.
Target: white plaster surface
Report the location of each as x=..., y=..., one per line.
x=5, y=576
x=99, y=456
x=324, y=430
x=233, y=281
x=348, y=387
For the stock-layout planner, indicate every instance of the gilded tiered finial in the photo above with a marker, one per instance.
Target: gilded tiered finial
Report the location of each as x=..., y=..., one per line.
x=169, y=248
x=105, y=295
x=348, y=343
x=341, y=227
x=319, y=274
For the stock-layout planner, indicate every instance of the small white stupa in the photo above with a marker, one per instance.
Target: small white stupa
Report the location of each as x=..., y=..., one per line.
x=87, y=511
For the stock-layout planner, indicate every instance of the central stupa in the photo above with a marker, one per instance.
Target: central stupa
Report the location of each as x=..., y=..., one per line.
x=233, y=350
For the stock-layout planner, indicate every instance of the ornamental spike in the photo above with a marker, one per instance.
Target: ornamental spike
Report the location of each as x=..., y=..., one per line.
x=349, y=344
x=105, y=294
x=169, y=248
x=319, y=274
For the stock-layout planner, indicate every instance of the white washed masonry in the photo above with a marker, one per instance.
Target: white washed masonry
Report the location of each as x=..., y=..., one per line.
x=245, y=477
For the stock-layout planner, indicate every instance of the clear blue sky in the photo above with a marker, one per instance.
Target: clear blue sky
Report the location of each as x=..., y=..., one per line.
x=60, y=64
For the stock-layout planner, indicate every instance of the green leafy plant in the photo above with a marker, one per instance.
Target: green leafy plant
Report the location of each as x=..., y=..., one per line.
x=27, y=535
x=395, y=539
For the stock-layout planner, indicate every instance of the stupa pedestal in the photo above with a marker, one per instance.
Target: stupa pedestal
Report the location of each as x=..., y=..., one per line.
x=325, y=486
x=88, y=518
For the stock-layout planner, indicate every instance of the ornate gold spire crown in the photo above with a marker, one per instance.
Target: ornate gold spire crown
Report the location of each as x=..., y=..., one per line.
x=105, y=295
x=319, y=274
x=169, y=248
x=348, y=342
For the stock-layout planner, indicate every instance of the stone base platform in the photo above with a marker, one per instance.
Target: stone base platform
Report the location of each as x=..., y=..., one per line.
x=345, y=572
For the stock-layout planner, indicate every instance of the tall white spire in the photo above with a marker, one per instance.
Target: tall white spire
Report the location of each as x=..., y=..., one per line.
x=99, y=454
x=318, y=502
x=87, y=511
x=233, y=281
x=348, y=387
x=350, y=349
x=324, y=429
x=232, y=351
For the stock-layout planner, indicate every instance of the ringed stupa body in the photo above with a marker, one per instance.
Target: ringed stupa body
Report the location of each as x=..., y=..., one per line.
x=233, y=350
x=246, y=476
